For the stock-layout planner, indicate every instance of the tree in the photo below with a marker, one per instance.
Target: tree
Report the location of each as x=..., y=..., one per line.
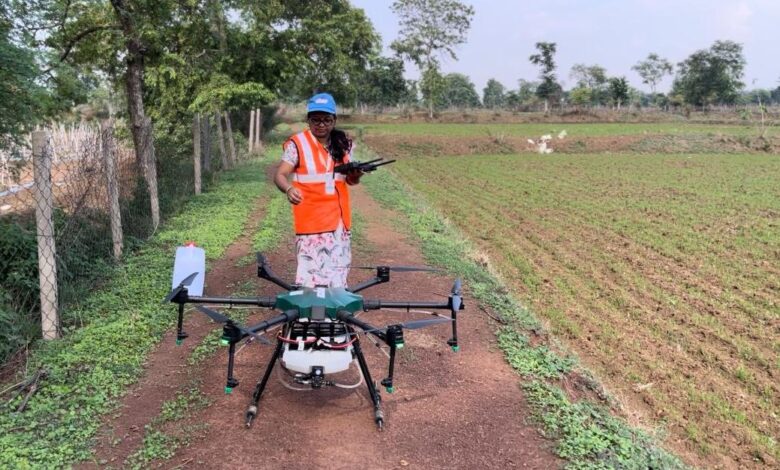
x=549, y=88
x=430, y=28
x=652, y=70
x=458, y=92
x=493, y=94
x=590, y=77
x=581, y=96
x=384, y=83
x=20, y=96
x=711, y=76
x=526, y=92
x=619, y=90
x=431, y=86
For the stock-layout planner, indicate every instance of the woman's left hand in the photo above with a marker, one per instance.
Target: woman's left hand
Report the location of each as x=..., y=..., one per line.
x=353, y=177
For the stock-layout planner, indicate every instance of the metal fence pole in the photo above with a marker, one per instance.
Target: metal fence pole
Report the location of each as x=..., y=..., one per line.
x=47, y=264
x=196, y=147
x=112, y=182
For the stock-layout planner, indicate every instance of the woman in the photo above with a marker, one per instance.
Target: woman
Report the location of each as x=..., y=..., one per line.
x=319, y=196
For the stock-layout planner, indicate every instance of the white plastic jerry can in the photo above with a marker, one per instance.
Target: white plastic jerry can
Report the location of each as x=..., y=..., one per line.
x=190, y=259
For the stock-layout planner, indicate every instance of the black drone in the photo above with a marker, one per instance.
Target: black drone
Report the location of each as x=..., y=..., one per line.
x=319, y=327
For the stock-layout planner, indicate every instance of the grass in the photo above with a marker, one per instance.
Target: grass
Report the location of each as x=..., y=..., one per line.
x=663, y=262
x=89, y=369
x=573, y=130
x=586, y=434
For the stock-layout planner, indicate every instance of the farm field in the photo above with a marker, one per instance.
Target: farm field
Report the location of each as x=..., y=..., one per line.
x=661, y=271
x=534, y=130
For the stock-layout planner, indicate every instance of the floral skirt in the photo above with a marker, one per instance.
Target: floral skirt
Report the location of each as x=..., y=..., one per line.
x=323, y=258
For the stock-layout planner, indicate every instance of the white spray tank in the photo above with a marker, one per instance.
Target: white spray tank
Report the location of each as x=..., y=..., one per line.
x=190, y=259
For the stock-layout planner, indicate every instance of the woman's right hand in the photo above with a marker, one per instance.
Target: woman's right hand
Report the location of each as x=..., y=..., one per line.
x=294, y=195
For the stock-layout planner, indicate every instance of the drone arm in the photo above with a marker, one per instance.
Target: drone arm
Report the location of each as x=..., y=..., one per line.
x=264, y=272
x=288, y=316
x=266, y=302
x=377, y=304
x=350, y=319
x=366, y=284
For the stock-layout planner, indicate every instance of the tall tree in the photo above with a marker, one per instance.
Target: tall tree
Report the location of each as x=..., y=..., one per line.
x=548, y=88
x=711, y=76
x=653, y=70
x=430, y=28
x=458, y=91
x=493, y=94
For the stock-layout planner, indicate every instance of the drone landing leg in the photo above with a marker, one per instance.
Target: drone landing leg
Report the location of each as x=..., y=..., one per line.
x=231, y=381
x=251, y=411
x=453, y=342
x=180, y=334
x=379, y=416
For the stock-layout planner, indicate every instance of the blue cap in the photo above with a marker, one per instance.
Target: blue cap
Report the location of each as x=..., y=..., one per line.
x=321, y=102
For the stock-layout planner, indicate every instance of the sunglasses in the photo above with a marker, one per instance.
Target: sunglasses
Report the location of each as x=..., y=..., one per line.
x=327, y=121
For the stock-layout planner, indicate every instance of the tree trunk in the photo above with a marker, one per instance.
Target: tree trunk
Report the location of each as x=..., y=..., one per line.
x=140, y=125
x=231, y=142
x=221, y=137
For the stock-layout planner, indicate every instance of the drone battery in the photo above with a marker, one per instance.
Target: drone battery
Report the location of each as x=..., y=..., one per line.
x=304, y=348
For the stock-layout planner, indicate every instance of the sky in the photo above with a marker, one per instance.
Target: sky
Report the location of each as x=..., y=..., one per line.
x=615, y=34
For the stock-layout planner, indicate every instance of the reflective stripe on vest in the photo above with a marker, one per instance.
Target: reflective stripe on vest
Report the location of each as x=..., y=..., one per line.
x=320, y=178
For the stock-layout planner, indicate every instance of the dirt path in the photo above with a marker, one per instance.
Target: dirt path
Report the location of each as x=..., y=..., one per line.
x=450, y=410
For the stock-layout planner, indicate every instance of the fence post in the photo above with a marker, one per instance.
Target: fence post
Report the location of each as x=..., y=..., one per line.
x=109, y=155
x=196, y=151
x=251, y=130
x=47, y=264
x=221, y=136
x=205, y=126
x=259, y=129
x=231, y=143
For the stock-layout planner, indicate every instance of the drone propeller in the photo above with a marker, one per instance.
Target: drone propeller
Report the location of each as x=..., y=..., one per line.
x=219, y=318
x=182, y=285
x=412, y=325
x=401, y=268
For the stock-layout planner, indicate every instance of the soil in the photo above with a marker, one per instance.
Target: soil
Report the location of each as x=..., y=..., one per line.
x=449, y=410
x=404, y=146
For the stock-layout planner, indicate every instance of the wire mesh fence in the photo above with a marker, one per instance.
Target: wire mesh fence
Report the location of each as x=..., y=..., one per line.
x=57, y=205
x=74, y=199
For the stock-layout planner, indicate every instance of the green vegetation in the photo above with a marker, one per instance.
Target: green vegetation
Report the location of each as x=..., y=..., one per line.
x=662, y=261
x=587, y=436
x=90, y=368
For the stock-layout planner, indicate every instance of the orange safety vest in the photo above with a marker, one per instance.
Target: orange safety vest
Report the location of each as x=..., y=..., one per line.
x=325, y=194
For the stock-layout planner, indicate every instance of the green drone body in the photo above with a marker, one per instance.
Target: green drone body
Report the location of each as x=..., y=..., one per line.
x=319, y=303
